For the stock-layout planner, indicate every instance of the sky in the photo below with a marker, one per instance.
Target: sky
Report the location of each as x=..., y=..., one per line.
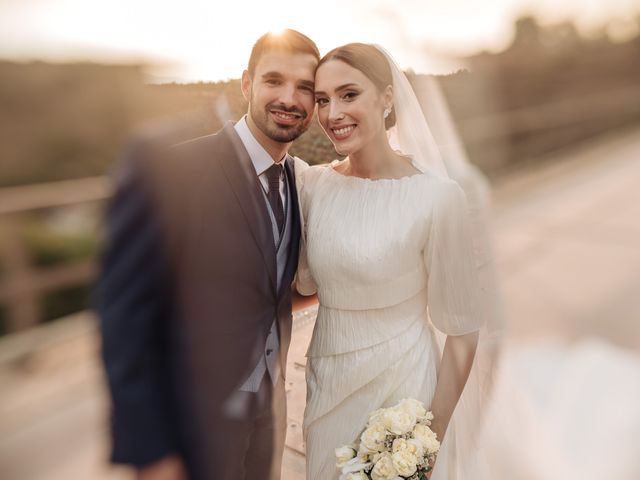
x=194, y=40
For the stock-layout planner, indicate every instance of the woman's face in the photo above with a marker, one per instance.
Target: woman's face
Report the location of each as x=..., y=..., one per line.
x=350, y=107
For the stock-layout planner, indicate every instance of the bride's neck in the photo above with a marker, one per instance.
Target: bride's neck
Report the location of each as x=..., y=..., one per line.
x=372, y=161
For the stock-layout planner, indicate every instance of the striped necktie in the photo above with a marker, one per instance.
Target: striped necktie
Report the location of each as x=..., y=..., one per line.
x=274, y=174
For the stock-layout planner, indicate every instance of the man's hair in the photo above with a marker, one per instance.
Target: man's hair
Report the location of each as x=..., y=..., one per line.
x=290, y=41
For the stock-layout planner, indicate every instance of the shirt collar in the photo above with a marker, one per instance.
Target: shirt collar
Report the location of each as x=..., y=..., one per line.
x=260, y=159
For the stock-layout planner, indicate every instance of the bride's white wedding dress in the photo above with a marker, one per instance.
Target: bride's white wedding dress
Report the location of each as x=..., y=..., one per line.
x=391, y=260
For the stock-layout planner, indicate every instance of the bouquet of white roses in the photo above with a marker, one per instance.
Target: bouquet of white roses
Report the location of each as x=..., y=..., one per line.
x=396, y=444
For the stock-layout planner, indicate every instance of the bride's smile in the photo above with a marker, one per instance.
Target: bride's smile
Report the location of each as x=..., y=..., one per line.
x=342, y=133
x=350, y=108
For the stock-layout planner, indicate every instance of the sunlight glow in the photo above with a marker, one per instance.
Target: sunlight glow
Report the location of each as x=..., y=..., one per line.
x=201, y=41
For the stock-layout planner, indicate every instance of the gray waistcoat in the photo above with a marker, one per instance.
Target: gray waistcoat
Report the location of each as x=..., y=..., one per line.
x=269, y=361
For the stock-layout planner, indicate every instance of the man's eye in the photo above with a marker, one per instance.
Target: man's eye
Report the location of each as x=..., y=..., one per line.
x=272, y=81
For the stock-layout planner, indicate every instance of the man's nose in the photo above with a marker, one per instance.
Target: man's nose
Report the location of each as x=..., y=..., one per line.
x=288, y=95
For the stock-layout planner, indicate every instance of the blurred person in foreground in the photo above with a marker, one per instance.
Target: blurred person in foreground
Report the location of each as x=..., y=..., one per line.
x=195, y=289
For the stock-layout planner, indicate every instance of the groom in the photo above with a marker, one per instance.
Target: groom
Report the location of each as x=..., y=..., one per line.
x=195, y=290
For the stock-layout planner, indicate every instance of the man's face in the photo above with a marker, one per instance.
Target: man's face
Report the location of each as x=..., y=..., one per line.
x=281, y=94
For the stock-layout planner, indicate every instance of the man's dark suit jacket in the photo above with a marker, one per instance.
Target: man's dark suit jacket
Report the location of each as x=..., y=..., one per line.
x=187, y=294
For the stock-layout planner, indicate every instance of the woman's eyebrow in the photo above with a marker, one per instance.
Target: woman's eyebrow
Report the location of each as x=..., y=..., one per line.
x=341, y=87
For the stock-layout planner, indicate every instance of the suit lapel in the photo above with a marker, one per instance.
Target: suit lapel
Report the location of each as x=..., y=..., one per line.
x=241, y=174
x=292, y=257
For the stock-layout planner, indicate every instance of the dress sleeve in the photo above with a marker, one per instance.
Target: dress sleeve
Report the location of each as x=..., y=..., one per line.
x=454, y=294
x=305, y=285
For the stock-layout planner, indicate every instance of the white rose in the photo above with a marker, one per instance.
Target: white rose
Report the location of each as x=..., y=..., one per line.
x=432, y=445
x=427, y=418
x=405, y=463
x=364, y=451
x=373, y=438
x=399, y=444
x=413, y=407
x=354, y=476
x=377, y=416
x=416, y=447
x=412, y=446
x=398, y=421
x=355, y=464
x=344, y=454
x=427, y=438
x=384, y=469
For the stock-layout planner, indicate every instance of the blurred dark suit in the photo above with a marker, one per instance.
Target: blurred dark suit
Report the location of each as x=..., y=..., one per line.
x=188, y=293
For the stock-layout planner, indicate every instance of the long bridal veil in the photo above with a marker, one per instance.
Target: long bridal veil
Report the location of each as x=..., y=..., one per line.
x=427, y=133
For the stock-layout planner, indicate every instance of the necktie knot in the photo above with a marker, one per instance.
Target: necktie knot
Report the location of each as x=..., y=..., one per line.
x=274, y=173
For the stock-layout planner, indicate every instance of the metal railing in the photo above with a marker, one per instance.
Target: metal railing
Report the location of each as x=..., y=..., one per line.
x=22, y=284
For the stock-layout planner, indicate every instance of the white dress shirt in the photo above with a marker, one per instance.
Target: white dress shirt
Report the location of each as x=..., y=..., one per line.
x=260, y=159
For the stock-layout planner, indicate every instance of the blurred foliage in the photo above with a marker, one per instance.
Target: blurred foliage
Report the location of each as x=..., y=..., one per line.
x=68, y=121
x=48, y=246
x=62, y=302
x=4, y=321
x=64, y=121
x=551, y=88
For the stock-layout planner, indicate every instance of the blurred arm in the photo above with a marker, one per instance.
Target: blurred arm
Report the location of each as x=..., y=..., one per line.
x=133, y=292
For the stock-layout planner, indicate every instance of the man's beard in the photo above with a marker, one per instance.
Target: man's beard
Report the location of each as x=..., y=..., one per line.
x=278, y=133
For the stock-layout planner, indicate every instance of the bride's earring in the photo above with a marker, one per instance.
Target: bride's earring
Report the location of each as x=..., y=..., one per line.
x=387, y=112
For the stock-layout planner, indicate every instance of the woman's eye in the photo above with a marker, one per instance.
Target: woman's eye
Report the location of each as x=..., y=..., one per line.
x=350, y=96
x=321, y=101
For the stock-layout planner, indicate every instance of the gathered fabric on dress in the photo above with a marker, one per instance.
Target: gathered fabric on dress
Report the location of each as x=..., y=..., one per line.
x=392, y=263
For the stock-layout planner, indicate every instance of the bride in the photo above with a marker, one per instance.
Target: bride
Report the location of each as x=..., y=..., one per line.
x=388, y=248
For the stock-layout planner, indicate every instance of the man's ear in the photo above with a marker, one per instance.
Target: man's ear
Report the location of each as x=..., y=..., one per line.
x=245, y=85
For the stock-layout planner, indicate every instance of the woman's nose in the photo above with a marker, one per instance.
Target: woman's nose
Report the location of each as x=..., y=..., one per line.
x=335, y=111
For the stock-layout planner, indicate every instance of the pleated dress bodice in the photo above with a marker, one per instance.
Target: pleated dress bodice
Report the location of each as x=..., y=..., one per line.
x=391, y=261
